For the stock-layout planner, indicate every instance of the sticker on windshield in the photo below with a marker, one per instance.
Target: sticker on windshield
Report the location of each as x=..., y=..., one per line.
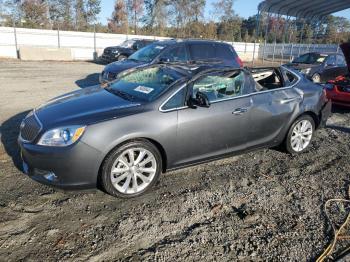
x=144, y=89
x=159, y=47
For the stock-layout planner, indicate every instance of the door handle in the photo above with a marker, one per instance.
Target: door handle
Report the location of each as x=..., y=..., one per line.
x=288, y=100
x=239, y=111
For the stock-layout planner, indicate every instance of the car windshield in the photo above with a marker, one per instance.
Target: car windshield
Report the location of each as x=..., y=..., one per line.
x=127, y=43
x=144, y=84
x=310, y=59
x=148, y=53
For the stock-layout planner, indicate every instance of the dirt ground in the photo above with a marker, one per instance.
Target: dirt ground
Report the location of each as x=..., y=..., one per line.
x=265, y=205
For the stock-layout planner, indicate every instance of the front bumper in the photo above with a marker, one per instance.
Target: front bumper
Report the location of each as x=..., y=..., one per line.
x=71, y=167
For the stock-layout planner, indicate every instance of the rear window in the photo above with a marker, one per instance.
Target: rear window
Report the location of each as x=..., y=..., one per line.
x=202, y=51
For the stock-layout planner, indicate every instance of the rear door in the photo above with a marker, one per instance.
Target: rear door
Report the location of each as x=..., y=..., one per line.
x=271, y=110
x=202, y=51
x=332, y=68
x=222, y=128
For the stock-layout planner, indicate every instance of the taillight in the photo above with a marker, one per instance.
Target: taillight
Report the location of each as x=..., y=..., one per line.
x=239, y=61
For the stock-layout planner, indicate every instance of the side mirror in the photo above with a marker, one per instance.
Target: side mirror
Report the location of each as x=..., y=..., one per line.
x=202, y=100
x=134, y=46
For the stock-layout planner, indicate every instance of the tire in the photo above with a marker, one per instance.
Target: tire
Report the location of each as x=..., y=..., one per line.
x=316, y=78
x=300, y=135
x=121, y=57
x=145, y=171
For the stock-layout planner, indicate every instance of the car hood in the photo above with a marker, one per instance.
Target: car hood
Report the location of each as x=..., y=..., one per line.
x=85, y=106
x=120, y=66
x=345, y=47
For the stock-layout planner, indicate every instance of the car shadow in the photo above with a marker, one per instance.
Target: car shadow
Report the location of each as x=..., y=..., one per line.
x=340, y=109
x=89, y=80
x=9, y=134
x=339, y=128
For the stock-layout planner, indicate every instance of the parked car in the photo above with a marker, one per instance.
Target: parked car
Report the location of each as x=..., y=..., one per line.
x=338, y=89
x=320, y=67
x=174, y=51
x=163, y=117
x=124, y=50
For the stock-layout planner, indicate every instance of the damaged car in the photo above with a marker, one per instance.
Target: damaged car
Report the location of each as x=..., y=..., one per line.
x=320, y=67
x=338, y=89
x=162, y=117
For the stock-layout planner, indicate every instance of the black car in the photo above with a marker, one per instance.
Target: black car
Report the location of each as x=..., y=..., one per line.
x=124, y=50
x=174, y=51
x=163, y=117
x=320, y=67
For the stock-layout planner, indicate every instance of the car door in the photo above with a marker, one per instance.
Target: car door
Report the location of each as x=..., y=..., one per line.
x=205, y=133
x=177, y=53
x=271, y=110
x=202, y=51
x=341, y=64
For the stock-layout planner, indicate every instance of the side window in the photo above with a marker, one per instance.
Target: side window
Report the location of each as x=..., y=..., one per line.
x=202, y=51
x=176, y=100
x=175, y=54
x=221, y=87
x=331, y=60
x=223, y=52
x=341, y=60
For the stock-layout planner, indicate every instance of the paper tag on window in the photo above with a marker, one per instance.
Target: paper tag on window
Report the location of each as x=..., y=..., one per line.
x=144, y=89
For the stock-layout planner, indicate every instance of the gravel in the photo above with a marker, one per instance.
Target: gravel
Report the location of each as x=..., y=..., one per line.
x=264, y=205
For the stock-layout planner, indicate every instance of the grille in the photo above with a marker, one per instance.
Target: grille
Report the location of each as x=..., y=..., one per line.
x=30, y=128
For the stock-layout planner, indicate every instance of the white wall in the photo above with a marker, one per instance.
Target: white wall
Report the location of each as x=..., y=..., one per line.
x=81, y=43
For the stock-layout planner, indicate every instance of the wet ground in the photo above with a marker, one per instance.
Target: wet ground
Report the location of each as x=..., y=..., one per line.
x=264, y=205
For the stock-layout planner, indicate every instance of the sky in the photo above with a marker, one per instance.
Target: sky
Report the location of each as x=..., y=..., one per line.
x=243, y=8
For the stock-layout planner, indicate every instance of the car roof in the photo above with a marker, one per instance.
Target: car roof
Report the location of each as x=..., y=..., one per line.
x=190, y=41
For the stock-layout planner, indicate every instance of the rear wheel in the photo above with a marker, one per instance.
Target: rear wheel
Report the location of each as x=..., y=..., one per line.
x=131, y=170
x=300, y=134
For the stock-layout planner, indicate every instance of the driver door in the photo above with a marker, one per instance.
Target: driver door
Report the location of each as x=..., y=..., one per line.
x=208, y=132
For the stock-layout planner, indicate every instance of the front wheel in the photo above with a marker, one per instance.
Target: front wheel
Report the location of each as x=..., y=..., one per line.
x=122, y=57
x=131, y=169
x=300, y=134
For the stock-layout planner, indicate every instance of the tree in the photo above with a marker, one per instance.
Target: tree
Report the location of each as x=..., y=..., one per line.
x=136, y=8
x=35, y=13
x=61, y=14
x=93, y=8
x=156, y=15
x=119, y=20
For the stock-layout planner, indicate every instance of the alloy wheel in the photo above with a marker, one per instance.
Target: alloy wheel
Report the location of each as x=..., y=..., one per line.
x=301, y=135
x=133, y=170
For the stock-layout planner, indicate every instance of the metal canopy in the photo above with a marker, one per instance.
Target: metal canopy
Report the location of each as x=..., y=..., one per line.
x=309, y=9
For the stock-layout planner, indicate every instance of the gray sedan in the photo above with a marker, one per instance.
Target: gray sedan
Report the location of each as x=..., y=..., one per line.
x=123, y=135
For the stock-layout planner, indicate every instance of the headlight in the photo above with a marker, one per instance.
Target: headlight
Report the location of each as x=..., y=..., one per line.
x=63, y=136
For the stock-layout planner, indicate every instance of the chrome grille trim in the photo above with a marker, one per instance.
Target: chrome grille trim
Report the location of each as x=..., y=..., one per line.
x=31, y=132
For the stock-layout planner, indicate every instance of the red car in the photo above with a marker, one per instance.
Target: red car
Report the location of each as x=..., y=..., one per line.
x=338, y=90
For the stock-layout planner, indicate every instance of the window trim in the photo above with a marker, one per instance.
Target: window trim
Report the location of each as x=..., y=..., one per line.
x=171, y=96
x=231, y=98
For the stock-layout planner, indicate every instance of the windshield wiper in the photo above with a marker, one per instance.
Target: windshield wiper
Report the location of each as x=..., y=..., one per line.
x=122, y=94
